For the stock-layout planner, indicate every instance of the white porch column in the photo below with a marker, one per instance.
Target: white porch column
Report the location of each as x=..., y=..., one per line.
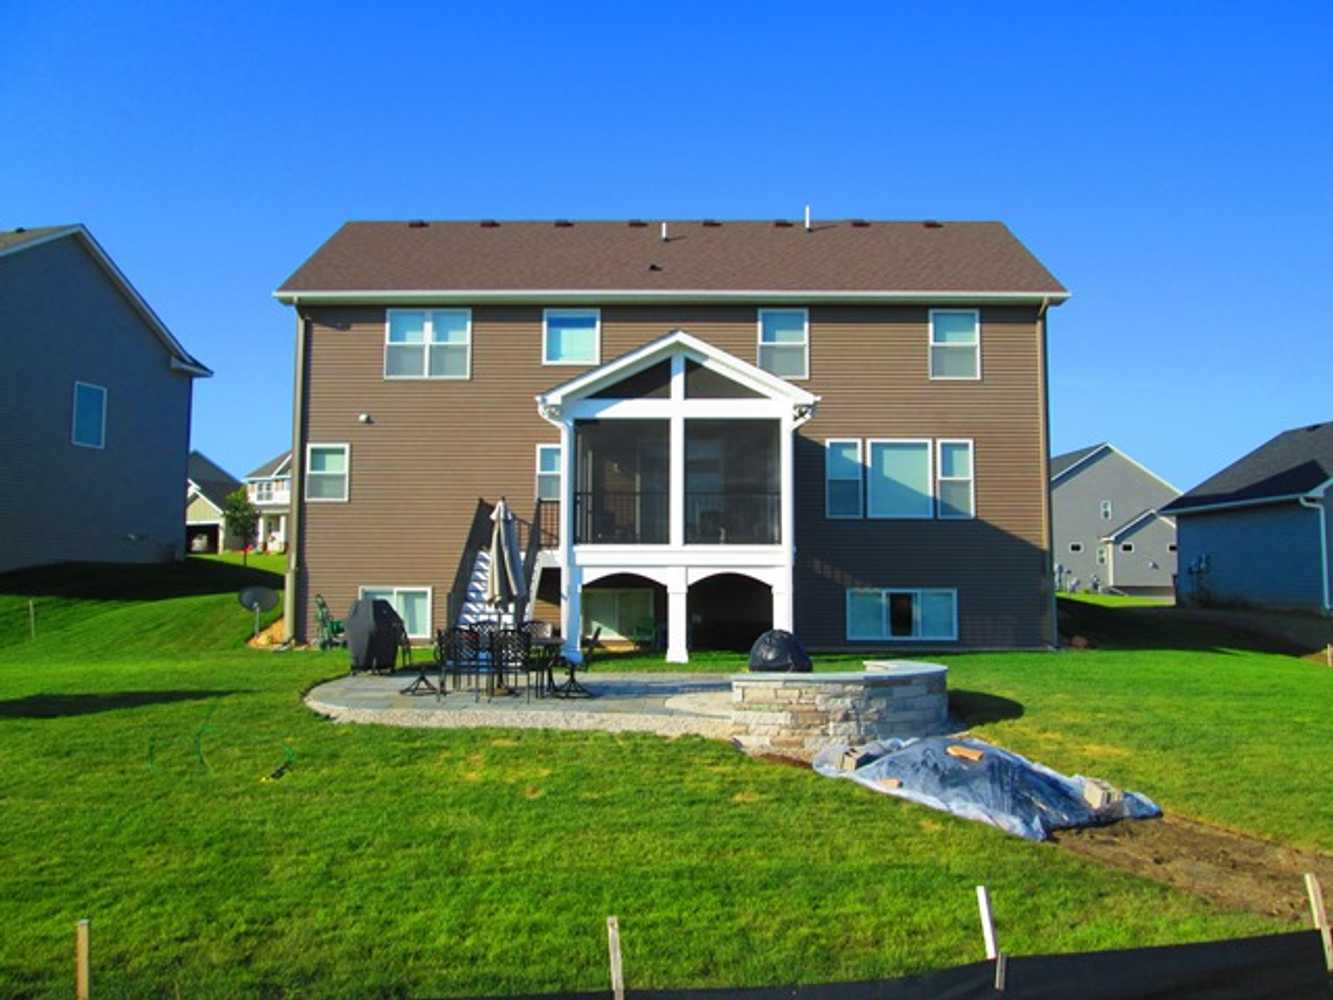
x=678, y=621
x=782, y=608
x=571, y=611
x=676, y=463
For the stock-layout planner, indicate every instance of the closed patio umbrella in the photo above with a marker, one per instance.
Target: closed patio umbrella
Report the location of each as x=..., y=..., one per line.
x=504, y=579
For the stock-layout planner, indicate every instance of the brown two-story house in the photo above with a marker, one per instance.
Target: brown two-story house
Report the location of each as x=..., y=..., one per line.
x=709, y=428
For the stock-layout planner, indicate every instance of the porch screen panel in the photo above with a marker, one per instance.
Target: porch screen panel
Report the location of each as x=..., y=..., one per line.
x=732, y=482
x=621, y=470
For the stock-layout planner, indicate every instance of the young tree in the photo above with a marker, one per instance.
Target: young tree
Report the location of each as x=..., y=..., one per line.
x=241, y=517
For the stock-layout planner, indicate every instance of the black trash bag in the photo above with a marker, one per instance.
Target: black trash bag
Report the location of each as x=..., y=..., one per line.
x=372, y=629
x=781, y=652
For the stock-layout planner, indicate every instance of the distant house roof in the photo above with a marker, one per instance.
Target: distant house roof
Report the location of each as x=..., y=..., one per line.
x=23, y=238
x=211, y=480
x=1134, y=522
x=1060, y=464
x=273, y=466
x=706, y=260
x=1295, y=463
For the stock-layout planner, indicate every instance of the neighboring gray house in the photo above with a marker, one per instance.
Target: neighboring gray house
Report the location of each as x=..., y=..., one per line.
x=95, y=420
x=206, y=490
x=1258, y=533
x=1108, y=527
x=269, y=488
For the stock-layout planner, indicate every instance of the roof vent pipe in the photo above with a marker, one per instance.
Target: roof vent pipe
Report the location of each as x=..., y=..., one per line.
x=807, y=218
x=665, y=237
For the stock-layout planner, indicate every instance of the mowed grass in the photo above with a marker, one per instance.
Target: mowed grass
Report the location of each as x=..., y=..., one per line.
x=136, y=735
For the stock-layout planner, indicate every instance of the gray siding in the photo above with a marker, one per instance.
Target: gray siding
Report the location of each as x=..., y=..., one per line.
x=1261, y=556
x=1144, y=570
x=62, y=319
x=1076, y=515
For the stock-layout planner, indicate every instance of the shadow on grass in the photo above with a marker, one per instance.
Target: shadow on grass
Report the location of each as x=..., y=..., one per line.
x=1162, y=627
x=976, y=708
x=135, y=581
x=55, y=706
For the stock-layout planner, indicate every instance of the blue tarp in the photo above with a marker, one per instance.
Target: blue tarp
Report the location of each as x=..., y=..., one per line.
x=1002, y=788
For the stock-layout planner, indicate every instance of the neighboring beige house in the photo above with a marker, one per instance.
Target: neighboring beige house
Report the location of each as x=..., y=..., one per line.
x=708, y=428
x=269, y=489
x=206, y=490
x=95, y=420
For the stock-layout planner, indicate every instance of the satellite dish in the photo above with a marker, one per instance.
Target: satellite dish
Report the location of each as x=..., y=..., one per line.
x=258, y=599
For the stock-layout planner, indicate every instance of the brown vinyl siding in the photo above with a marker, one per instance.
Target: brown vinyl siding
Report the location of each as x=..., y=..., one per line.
x=434, y=447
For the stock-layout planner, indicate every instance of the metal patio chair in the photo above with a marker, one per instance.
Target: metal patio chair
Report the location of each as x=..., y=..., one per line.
x=570, y=687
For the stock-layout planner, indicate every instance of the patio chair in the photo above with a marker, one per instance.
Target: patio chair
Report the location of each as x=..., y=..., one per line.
x=644, y=634
x=571, y=688
x=330, y=628
x=422, y=683
x=510, y=649
x=458, y=652
x=542, y=652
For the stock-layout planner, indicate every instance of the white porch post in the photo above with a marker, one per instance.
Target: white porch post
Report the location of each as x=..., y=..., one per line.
x=782, y=609
x=571, y=611
x=676, y=464
x=677, y=619
x=571, y=576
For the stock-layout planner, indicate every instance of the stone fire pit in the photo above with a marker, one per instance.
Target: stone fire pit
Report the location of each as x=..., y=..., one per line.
x=800, y=714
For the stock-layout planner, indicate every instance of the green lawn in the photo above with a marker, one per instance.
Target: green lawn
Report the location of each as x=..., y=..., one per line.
x=136, y=733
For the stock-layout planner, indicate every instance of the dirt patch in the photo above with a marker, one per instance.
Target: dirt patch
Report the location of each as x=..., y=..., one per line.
x=1235, y=871
x=268, y=637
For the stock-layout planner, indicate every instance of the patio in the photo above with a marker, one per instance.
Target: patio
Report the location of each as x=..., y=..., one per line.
x=669, y=704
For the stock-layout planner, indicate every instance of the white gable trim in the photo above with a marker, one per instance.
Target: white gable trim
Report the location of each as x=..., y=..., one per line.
x=1107, y=446
x=1080, y=463
x=181, y=359
x=197, y=494
x=1134, y=522
x=677, y=342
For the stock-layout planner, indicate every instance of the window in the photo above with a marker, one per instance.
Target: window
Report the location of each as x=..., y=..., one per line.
x=618, y=613
x=874, y=614
x=431, y=343
x=411, y=603
x=955, y=344
x=263, y=490
x=326, y=472
x=784, y=342
x=842, y=478
x=548, y=472
x=571, y=337
x=1101, y=555
x=954, y=492
x=1075, y=546
x=1171, y=547
x=1106, y=510
x=1127, y=547
x=898, y=479
x=88, y=426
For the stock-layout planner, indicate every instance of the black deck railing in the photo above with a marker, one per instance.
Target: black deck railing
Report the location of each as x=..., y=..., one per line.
x=622, y=518
x=733, y=518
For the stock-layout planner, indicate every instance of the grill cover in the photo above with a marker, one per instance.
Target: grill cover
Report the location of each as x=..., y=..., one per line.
x=779, y=651
x=372, y=629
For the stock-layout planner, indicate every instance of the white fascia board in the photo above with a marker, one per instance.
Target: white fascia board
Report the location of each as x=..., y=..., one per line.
x=596, y=296
x=1081, y=462
x=1232, y=504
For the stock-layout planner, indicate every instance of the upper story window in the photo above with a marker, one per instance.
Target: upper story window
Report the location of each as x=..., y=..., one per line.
x=1106, y=510
x=327, y=472
x=955, y=344
x=548, y=472
x=428, y=343
x=262, y=491
x=954, y=483
x=898, y=479
x=784, y=342
x=88, y=425
x=571, y=337
x=842, y=478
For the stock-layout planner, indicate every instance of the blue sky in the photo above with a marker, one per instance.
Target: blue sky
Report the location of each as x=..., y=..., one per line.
x=1172, y=164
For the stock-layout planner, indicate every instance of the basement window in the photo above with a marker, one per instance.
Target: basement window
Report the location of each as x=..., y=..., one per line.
x=878, y=615
x=411, y=603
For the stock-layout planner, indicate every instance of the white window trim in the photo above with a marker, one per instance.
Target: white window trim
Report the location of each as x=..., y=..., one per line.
x=930, y=478
x=970, y=480
x=1127, y=547
x=1105, y=510
x=918, y=592
x=74, y=417
x=427, y=329
x=396, y=590
x=931, y=345
x=347, y=474
x=596, y=336
x=805, y=343
x=860, y=480
x=559, y=473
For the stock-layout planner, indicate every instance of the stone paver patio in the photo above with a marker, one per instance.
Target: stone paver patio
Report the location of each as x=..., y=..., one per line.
x=670, y=704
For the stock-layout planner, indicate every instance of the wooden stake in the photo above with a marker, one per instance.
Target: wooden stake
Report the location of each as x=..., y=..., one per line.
x=82, y=967
x=1328, y=654
x=1320, y=918
x=987, y=925
x=613, y=942
x=1001, y=968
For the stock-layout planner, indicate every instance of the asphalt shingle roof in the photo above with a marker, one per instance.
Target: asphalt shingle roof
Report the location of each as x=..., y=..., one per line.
x=268, y=467
x=11, y=238
x=841, y=256
x=1296, y=461
x=1059, y=463
x=214, y=482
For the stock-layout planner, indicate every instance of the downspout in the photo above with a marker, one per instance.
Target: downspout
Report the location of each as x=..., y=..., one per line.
x=1047, y=526
x=1310, y=503
x=294, y=525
